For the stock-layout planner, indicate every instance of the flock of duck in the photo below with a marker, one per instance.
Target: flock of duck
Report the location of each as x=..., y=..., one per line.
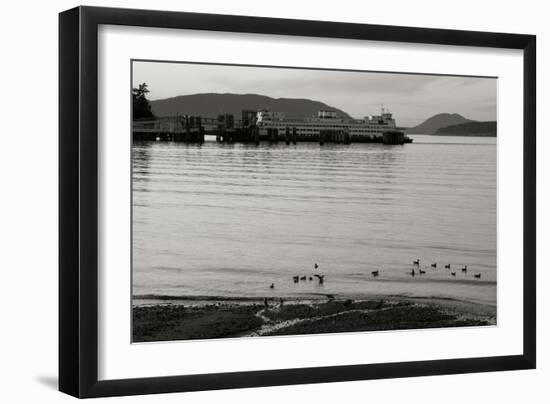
x=416, y=264
x=414, y=271
x=306, y=278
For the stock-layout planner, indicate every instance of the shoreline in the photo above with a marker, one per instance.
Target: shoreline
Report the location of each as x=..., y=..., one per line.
x=468, y=290
x=206, y=317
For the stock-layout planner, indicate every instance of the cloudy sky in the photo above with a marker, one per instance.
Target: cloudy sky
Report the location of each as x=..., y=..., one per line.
x=411, y=97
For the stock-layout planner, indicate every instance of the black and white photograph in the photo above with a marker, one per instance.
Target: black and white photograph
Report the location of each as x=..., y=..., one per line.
x=276, y=201
x=279, y=202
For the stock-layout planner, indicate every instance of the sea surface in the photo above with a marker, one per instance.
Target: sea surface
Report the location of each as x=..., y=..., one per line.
x=230, y=220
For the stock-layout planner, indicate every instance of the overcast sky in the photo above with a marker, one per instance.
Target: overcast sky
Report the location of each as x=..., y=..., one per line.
x=412, y=98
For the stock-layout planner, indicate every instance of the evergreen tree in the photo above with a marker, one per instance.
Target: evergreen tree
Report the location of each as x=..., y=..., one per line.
x=141, y=106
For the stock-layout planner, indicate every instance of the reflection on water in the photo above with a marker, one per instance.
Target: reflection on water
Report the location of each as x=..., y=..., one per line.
x=229, y=220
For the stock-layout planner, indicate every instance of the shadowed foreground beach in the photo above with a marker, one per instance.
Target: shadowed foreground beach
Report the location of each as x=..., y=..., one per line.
x=219, y=318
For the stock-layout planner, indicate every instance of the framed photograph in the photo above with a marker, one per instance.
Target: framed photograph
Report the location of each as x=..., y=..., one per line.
x=251, y=201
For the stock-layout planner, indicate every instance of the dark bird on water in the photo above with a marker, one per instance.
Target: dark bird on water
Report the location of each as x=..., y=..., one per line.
x=413, y=273
x=453, y=273
x=296, y=279
x=375, y=273
x=465, y=268
x=303, y=278
x=448, y=266
x=416, y=262
x=421, y=272
x=311, y=278
x=320, y=277
x=315, y=266
x=272, y=286
x=330, y=297
x=434, y=265
x=478, y=276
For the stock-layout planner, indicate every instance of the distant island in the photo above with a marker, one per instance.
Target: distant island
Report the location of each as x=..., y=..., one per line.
x=211, y=104
x=431, y=125
x=446, y=124
x=469, y=129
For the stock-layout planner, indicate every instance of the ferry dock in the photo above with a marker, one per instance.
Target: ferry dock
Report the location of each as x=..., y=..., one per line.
x=257, y=126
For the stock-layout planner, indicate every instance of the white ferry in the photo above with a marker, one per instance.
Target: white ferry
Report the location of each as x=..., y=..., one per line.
x=372, y=126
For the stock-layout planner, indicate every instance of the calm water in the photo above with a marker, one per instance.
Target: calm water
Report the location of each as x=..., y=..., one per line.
x=229, y=220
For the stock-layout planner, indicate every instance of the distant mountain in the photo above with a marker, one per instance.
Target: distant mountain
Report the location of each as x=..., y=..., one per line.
x=431, y=125
x=212, y=104
x=469, y=129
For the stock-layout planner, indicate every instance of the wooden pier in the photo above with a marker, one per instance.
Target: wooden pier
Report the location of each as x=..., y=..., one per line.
x=187, y=129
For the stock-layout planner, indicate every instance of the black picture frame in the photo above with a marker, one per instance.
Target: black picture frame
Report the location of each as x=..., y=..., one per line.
x=78, y=201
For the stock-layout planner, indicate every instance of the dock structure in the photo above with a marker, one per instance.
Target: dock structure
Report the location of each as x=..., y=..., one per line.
x=229, y=130
x=186, y=128
x=393, y=137
x=290, y=135
x=250, y=128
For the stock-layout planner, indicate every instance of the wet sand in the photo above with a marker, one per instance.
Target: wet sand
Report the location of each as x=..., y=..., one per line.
x=173, y=319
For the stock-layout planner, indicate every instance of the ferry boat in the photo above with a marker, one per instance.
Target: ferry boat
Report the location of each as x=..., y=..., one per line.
x=370, y=128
